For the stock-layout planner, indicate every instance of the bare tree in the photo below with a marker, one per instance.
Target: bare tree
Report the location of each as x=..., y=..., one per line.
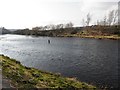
x=88, y=19
x=45, y=27
x=110, y=17
x=105, y=21
x=69, y=25
x=59, y=26
x=119, y=13
x=100, y=22
x=83, y=22
x=38, y=28
x=51, y=27
x=35, y=28
x=115, y=19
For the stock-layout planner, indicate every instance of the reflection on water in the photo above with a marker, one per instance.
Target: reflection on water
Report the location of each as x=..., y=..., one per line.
x=90, y=60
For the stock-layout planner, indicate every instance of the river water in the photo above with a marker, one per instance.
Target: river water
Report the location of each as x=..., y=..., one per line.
x=89, y=60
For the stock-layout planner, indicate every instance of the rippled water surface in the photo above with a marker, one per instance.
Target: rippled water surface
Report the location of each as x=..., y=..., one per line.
x=89, y=60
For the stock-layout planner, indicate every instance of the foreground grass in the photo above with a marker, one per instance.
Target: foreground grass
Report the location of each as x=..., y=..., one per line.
x=25, y=77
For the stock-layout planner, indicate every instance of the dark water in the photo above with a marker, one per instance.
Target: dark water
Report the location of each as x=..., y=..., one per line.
x=89, y=60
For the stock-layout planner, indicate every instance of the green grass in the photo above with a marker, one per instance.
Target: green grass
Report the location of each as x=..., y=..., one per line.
x=114, y=37
x=25, y=77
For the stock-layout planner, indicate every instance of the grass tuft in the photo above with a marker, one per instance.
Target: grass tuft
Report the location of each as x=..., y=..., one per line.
x=26, y=77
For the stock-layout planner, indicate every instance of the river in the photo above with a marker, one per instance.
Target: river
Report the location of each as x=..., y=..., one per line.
x=89, y=60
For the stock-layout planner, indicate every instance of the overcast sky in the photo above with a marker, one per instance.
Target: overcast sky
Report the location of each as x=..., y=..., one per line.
x=30, y=13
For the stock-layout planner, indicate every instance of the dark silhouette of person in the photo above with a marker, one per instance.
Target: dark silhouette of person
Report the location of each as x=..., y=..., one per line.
x=49, y=41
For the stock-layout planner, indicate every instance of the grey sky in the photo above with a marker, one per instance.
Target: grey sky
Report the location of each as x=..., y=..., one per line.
x=30, y=13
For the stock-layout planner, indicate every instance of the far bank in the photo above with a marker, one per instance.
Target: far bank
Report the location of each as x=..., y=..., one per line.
x=95, y=31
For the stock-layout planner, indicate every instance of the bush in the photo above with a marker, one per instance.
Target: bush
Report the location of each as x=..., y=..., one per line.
x=74, y=32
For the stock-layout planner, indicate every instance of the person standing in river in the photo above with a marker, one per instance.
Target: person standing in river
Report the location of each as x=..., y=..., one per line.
x=48, y=41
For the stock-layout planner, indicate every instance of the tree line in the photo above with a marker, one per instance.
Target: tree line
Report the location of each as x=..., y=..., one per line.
x=110, y=19
x=53, y=27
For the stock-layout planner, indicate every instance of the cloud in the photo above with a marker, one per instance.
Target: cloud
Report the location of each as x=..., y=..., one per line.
x=29, y=13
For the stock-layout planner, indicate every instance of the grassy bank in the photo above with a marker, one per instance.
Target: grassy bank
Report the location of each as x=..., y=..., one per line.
x=96, y=31
x=113, y=37
x=26, y=78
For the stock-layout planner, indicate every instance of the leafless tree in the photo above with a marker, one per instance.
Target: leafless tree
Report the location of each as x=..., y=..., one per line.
x=69, y=25
x=83, y=22
x=35, y=28
x=115, y=19
x=105, y=21
x=119, y=13
x=38, y=28
x=45, y=27
x=100, y=22
x=51, y=27
x=59, y=26
x=88, y=19
x=110, y=17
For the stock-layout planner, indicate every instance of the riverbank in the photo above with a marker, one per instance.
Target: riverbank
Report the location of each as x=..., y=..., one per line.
x=113, y=37
x=24, y=77
x=96, y=31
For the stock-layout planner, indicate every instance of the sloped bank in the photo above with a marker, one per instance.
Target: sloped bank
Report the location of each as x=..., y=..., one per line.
x=26, y=78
